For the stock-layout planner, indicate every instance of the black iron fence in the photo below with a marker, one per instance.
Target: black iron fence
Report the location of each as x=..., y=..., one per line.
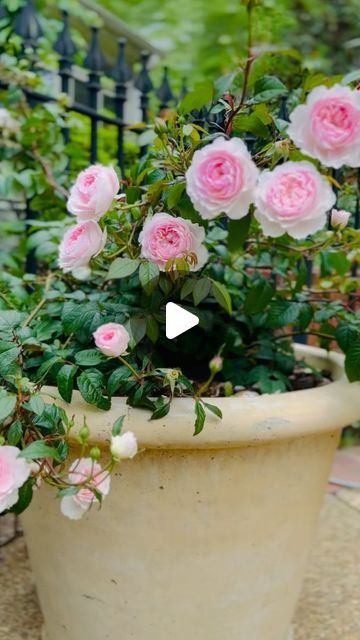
x=84, y=99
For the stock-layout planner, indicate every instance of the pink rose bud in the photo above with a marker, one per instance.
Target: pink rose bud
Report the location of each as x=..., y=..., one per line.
x=79, y=244
x=112, y=339
x=14, y=472
x=93, y=192
x=85, y=470
x=216, y=364
x=293, y=199
x=165, y=237
x=124, y=446
x=222, y=179
x=327, y=127
x=340, y=218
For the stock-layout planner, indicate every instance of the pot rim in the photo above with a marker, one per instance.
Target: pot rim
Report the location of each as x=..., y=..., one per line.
x=246, y=420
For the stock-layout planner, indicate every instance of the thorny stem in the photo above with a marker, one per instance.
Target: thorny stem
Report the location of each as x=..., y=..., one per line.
x=39, y=306
x=248, y=65
x=48, y=172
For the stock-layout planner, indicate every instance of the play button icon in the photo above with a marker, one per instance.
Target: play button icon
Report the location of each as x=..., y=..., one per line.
x=178, y=320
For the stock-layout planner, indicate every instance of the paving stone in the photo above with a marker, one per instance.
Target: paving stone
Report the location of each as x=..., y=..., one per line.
x=329, y=607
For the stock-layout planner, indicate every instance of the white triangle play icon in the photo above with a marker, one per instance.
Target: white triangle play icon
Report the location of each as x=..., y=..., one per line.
x=178, y=320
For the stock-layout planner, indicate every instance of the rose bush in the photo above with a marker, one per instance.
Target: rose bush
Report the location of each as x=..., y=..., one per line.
x=224, y=215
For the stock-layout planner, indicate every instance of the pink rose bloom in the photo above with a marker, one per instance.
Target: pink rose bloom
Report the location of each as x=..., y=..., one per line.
x=112, y=339
x=327, y=127
x=14, y=471
x=293, y=199
x=164, y=237
x=93, y=192
x=79, y=244
x=84, y=470
x=222, y=179
x=340, y=218
x=124, y=446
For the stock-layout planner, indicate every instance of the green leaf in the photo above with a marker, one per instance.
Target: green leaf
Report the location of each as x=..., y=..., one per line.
x=25, y=497
x=39, y=449
x=258, y=297
x=116, y=378
x=7, y=407
x=36, y=404
x=65, y=381
x=200, y=417
x=136, y=327
x=165, y=284
x=198, y=98
x=11, y=319
x=14, y=434
x=238, y=232
x=187, y=288
x=188, y=212
x=122, y=268
x=268, y=88
x=89, y=357
x=352, y=361
x=174, y=194
x=149, y=275
x=91, y=384
x=152, y=329
x=222, y=295
x=345, y=334
x=201, y=290
x=252, y=124
x=81, y=318
x=214, y=409
x=353, y=76
x=117, y=426
x=302, y=275
x=282, y=313
x=46, y=366
x=339, y=262
x=8, y=357
x=161, y=411
x=133, y=194
x=305, y=315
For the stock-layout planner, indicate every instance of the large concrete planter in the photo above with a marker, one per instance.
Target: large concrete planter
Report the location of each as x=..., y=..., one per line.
x=201, y=538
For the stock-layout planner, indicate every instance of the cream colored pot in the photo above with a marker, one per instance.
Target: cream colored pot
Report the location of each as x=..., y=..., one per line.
x=201, y=538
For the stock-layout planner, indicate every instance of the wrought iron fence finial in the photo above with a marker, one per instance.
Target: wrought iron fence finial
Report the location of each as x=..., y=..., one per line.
x=95, y=61
x=64, y=45
x=121, y=72
x=164, y=92
x=143, y=81
x=27, y=25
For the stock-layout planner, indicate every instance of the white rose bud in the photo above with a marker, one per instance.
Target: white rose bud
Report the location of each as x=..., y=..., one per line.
x=124, y=446
x=340, y=218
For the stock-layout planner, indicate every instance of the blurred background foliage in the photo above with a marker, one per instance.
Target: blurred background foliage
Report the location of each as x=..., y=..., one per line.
x=202, y=38
x=205, y=39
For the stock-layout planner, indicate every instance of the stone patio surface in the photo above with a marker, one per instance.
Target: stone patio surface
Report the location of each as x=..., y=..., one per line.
x=329, y=607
